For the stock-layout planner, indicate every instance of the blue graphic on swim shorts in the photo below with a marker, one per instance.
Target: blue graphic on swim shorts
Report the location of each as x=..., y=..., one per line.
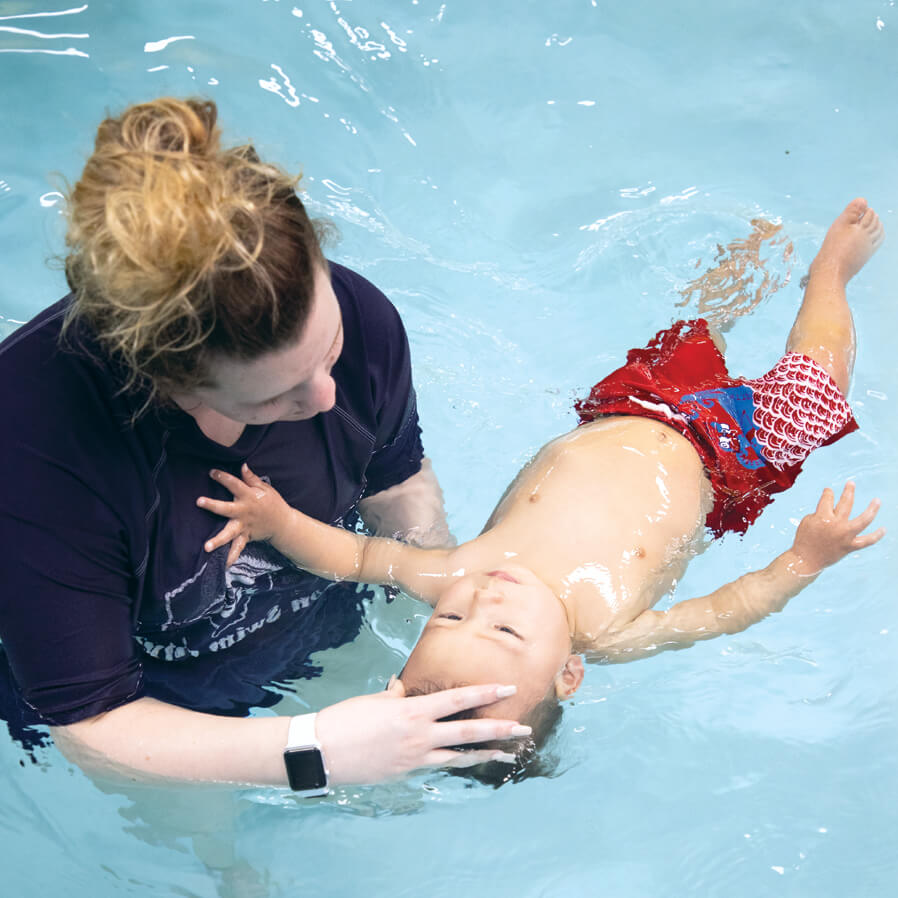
x=737, y=403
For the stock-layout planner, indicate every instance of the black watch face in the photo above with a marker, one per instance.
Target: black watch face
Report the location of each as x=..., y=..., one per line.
x=305, y=769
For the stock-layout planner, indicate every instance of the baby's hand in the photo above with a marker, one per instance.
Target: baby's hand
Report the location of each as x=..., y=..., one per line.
x=829, y=534
x=258, y=511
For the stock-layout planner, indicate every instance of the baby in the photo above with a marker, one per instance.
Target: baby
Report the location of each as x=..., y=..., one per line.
x=603, y=521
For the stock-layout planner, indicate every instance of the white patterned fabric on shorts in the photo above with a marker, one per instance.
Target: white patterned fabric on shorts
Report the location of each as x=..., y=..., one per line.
x=797, y=408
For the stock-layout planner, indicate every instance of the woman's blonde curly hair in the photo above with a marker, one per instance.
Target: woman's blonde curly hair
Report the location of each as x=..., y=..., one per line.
x=181, y=250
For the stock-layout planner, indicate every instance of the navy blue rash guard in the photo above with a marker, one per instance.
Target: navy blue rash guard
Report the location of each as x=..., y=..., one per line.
x=108, y=594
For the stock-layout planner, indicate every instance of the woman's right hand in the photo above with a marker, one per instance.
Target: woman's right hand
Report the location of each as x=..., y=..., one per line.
x=372, y=738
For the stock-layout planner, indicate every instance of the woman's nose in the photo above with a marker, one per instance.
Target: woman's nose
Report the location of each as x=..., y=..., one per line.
x=324, y=393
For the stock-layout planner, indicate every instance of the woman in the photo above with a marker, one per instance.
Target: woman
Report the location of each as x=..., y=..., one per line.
x=204, y=328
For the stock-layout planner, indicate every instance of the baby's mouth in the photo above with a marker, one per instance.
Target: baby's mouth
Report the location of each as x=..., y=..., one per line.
x=502, y=575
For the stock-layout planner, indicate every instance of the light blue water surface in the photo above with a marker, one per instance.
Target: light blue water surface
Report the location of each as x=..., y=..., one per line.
x=531, y=184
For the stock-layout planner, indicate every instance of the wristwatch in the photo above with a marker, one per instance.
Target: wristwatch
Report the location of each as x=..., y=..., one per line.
x=304, y=759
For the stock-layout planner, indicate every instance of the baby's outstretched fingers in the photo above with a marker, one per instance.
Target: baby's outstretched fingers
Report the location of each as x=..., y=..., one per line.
x=865, y=518
x=251, y=478
x=827, y=500
x=234, y=484
x=257, y=508
x=830, y=533
x=225, y=508
x=846, y=500
x=861, y=522
x=231, y=531
x=237, y=547
x=868, y=539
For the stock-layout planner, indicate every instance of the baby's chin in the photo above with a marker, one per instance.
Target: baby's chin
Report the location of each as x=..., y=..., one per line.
x=519, y=572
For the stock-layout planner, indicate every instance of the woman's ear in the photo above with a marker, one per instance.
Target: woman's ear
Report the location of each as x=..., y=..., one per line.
x=570, y=677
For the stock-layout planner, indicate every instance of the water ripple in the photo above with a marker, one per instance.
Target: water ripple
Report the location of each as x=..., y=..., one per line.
x=22, y=33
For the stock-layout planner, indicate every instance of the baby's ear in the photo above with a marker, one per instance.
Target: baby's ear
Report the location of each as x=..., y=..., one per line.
x=569, y=679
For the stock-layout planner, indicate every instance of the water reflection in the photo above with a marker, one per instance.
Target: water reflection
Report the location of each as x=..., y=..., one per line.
x=22, y=34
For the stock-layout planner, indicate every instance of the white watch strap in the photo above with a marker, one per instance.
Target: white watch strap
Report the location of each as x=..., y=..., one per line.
x=302, y=731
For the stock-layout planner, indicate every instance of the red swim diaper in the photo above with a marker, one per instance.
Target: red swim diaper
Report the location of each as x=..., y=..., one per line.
x=752, y=435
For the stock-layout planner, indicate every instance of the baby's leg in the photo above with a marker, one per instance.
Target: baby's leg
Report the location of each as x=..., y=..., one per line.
x=824, y=329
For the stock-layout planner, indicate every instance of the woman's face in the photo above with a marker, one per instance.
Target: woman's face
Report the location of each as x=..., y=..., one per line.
x=289, y=384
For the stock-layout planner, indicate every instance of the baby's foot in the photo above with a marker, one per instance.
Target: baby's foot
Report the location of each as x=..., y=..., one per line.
x=850, y=241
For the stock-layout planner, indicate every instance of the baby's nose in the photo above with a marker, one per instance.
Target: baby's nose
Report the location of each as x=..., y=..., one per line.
x=488, y=596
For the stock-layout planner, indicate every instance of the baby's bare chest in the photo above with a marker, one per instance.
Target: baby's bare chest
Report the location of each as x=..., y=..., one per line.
x=605, y=513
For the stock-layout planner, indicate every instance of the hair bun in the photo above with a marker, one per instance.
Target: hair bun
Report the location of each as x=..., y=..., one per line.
x=180, y=247
x=164, y=126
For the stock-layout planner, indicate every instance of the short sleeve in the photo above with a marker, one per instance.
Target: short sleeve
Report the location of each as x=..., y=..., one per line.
x=399, y=458
x=65, y=602
x=397, y=451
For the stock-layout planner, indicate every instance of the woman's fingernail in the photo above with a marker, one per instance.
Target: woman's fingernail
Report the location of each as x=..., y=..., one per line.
x=505, y=691
x=391, y=681
x=520, y=730
x=504, y=757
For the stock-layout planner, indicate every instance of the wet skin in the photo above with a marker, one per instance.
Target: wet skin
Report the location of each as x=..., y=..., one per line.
x=553, y=516
x=503, y=623
x=589, y=535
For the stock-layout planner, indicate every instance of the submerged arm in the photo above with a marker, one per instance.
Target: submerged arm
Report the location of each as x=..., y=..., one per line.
x=366, y=739
x=412, y=511
x=258, y=512
x=822, y=539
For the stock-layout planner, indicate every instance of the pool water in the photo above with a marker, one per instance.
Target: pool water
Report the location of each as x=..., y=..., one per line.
x=533, y=185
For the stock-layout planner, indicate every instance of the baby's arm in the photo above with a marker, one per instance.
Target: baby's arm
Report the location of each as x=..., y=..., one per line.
x=822, y=539
x=259, y=512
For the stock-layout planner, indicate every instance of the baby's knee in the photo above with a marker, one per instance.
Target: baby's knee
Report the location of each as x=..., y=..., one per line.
x=833, y=349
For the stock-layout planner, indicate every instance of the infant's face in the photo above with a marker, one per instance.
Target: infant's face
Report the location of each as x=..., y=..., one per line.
x=505, y=627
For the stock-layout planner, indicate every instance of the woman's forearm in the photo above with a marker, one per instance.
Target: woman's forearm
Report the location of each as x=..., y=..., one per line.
x=412, y=511
x=366, y=739
x=149, y=740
